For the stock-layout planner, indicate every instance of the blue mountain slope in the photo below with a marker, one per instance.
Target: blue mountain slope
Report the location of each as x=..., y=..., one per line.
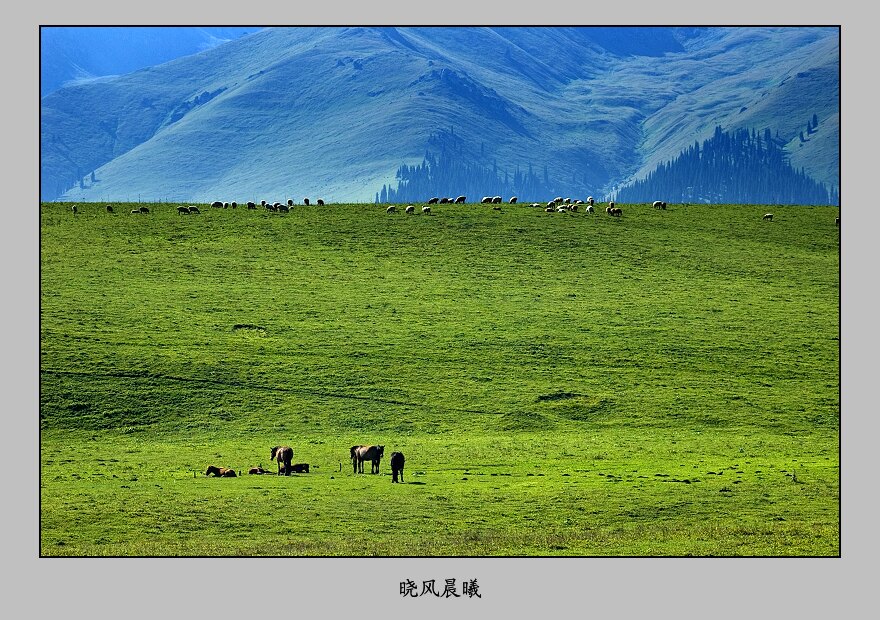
x=293, y=112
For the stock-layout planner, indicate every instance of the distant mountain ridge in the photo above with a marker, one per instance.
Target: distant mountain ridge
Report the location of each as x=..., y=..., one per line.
x=293, y=112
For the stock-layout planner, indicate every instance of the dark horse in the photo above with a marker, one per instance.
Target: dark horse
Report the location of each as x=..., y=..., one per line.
x=359, y=454
x=397, y=461
x=283, y=454
x=223, y=472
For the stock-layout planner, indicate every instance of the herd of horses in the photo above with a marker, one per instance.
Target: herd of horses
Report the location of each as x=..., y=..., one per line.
x=283, y=455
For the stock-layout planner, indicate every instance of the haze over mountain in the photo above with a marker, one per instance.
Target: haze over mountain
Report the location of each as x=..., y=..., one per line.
x=334, y=112
x=83, y=53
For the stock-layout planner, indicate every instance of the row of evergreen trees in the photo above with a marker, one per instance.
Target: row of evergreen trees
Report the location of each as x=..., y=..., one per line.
x=446, y=175
x=741, y=166
x=731, y=167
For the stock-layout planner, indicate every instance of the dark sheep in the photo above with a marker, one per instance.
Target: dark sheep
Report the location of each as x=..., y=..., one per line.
x=460, y=200
x=289, y=202
x=397, y=462
x=283, y=208
x=306, y=201
x=262, y=203
x=486, y=199
x=320, y=202
x=144, y=210
x=768, y=216
x=656, y=204
x=426, y=210
x=109, y=208
x=182, y=211
x=433, y=201
x=251, y=204
x=590, y=209
x=225, y=205
x=391, y=209
x=616, y=211
x=445, y=201
x=217, y=204
x=233, y=204
x=410, y=209
x=270, y=207
x=496, y=200
x=513, y=200
x=194, y=209
x=74, y=209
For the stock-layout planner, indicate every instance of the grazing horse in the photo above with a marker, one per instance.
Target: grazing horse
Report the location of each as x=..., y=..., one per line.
x=397, y=461
x=221, y=472
x=284, y=455
x=359, y=454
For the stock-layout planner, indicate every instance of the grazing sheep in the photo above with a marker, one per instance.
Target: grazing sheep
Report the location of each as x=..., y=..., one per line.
x=589, y=209
x=566, y=201
x=306, y=201
x=289, y=202
x=496, y=200
x=283, y=208
x=768, y=216
x=251, y=204
x=558, y=200
x=270, y=207
x=552, y=204
x=144, y=210
x=837, y=221
x=590, y=200
x=74, y=209
x=262, y=203
x=460, y=200
x=433, y=200
x=573, y=208
x=445, y=201
x=616, y=211
x=410, y=209
x=182, y=211
x=561, y=209
x=426, y=210
x=320, y=202
x=578, y=202
x=656, y=204
x=217, y=204
x=513, y=200
x=109, y=208
x=549, y=209
x=233, y=204
x=486, y=199
x=225, y=205
x=391, y=209
x=194, y=209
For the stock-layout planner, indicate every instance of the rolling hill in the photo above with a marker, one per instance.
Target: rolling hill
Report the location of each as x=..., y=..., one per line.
x=292, y=112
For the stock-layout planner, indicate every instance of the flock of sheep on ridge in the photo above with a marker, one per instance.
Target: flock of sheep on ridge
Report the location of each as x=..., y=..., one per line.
x=558, y=205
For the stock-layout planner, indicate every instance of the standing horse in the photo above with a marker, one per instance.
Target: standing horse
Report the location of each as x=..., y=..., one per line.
x=283, y=454
x=397, y=461
x=359, y=454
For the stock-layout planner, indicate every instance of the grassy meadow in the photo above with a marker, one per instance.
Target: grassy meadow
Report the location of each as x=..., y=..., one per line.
x=663, y=383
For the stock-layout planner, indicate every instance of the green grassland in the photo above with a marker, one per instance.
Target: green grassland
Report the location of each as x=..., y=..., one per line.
x=663, y=383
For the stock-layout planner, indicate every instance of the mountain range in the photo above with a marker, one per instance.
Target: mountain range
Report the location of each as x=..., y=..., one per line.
x=336, y=111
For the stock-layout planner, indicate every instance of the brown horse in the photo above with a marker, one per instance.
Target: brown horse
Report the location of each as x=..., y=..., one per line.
x=221, y=472
x=284, y=455
x=300, y=468
x=359, y=454
x=257, y=470
x=397, y=461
